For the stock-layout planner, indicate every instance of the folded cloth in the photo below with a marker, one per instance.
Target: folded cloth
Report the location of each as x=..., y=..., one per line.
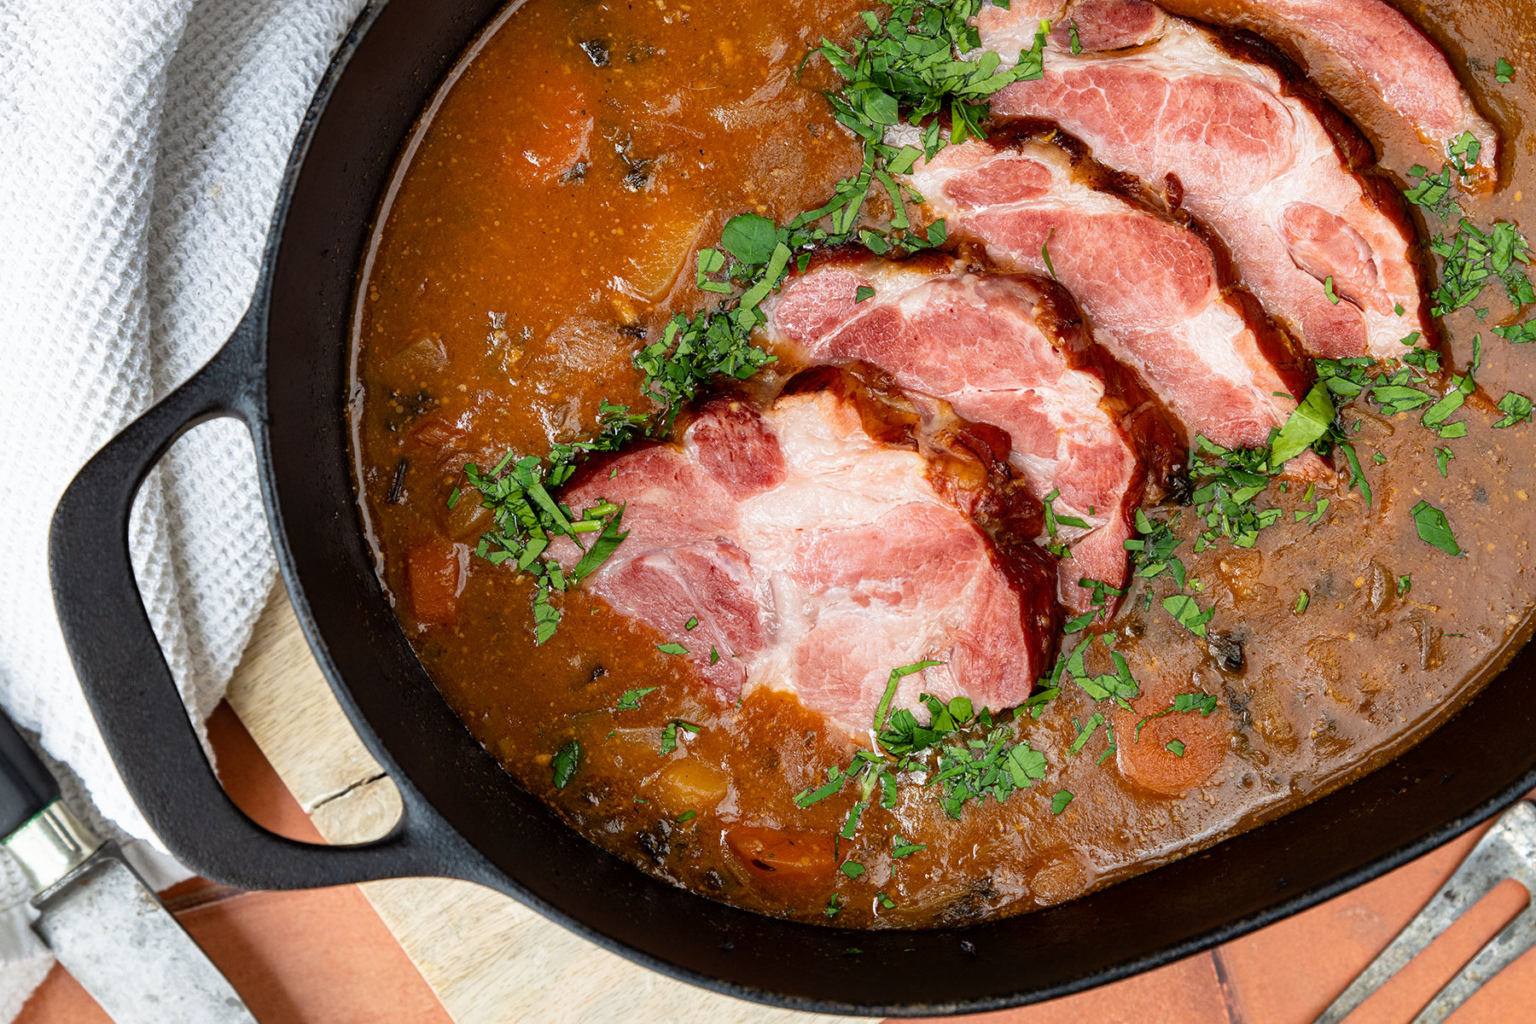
x=144, y=145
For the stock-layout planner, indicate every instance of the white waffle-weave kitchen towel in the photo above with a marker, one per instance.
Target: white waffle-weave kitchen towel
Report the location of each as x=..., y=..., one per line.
x=141, y=147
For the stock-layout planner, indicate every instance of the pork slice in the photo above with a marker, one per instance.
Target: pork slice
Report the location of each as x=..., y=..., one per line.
x=990, y=347
x=1095, y=25
x=1149, y=287
x=1227, y=140
x=817, y=560
x=1378, y=66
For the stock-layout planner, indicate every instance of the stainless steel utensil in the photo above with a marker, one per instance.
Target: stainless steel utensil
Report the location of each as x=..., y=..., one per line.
x=101, y=920
x=1507, y=851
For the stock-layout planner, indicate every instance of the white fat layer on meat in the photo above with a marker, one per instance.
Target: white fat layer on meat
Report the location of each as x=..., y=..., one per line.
x=836, y=476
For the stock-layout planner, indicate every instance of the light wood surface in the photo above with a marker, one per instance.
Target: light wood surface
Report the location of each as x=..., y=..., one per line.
x=488, y=959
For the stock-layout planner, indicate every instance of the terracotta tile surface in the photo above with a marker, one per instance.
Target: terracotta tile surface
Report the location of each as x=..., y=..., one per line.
x=324, y=956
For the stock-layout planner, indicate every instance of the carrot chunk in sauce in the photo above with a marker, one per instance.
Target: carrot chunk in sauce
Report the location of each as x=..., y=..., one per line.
x=789, y=857
x=436, y=572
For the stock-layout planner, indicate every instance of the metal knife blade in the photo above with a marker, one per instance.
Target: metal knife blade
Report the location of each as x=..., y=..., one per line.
x=111, y=932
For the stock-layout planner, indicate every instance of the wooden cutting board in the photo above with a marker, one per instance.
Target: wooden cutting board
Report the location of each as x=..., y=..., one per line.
x=489, y=959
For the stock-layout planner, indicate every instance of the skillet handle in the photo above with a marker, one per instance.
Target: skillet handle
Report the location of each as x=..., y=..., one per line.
x=129, y=685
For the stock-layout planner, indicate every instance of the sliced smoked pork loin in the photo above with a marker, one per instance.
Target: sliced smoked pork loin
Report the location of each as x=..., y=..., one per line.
x=1150, y=287
x=1377, y=65
x=1327, y=252
x=816, y=560
x=1369, y=57
x=1004, y=350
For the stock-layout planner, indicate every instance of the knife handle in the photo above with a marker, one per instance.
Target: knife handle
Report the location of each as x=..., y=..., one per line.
x=26, y=787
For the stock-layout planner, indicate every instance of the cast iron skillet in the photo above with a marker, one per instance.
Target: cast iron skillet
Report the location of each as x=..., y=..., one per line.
x=284, y=374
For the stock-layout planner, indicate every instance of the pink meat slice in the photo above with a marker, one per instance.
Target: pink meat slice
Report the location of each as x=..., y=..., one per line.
x=976, y=341
x=1257, y=165
x=1375, y=61
x=817, y=560
x=1095, y=24
x=1149, y=287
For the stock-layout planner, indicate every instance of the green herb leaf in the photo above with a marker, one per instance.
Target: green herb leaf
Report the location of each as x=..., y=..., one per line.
x=1186, y=611
x=901, y=848
x=750, y=238
x=1305, y=427
x=629, y=700
x=1434, y=529
x=1516, y=409
x=897, y=675
x=672, y=648
x=1303, y=600
x=1060, y=800
x=1503, y=71
x=565, y=762
x=863, y=292
x=1176, y=747
x=852, y=869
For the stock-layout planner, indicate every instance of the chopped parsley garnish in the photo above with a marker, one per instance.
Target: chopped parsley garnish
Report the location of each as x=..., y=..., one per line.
x=565, y=762
x=897, y=675
x=1186, y=612
x=1229, y=481
x=1054, y=523
x=1434, y=529
x=1303, y=600
x=1462, y=152
x=1176, y=748
x=714, y=655
x=1077, y=45
x=885, y=901
x=692, y=623
x=1503, y=71
x=1519, y=334
x=629, y=700
x=1085, y=731
x=863, y=292
x=1098, y=601
x=669, y=734
x=1183, y=704
x=982, y=768
x=1332, y=295
x=526, y=519
x=686, y=816
x=1516, y=409
x=1471, y=258
x=1443, y=457
x=1404, y=584
x=1060, y=800
x=1119, y=686
x=1154, y=549
x=901, y=848
x=1432, y=191
x=833, y=906
x=672, y=648
x=851, y=868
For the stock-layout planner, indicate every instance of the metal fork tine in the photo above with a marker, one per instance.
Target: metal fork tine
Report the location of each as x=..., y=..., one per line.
x=1505, y=852
x=1502, y=950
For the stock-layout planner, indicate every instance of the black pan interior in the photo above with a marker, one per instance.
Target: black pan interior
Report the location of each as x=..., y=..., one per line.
x=1474, y=764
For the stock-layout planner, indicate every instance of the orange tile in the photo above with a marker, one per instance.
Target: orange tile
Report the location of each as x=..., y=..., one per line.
x=1186, y=992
